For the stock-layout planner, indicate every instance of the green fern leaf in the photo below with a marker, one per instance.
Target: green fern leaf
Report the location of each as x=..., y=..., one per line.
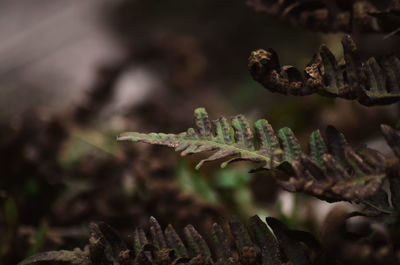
x=317, y=147
x=290, y=145
x=237, y=141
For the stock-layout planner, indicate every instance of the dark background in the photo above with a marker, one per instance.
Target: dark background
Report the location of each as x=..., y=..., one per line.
x=74, y=74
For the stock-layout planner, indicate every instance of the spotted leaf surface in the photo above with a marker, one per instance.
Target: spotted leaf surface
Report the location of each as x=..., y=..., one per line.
x=373, y=82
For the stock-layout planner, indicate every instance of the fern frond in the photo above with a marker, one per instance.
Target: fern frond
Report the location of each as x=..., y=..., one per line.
x=235, y=141
x=319, y=15
x=393, y=165
x=374, y=82
x=166, y=247
x=75, y=256
x=331, y=170
x=338, y=172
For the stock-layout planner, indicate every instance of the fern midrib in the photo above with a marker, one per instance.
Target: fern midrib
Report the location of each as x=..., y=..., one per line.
x=227, y=146
x=141, y=137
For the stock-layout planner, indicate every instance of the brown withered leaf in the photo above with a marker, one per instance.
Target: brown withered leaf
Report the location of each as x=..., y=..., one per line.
x=332, y=16
x=347, y=174
x=342, y=173
x=393, y=165
x=373, y=82
x=167, y=247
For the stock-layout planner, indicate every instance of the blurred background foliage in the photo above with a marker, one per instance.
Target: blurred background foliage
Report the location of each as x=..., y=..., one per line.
x=73, y=75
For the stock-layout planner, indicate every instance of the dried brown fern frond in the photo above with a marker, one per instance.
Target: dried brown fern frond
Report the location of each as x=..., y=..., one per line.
x=256, y=245
x=348, y=174
x=392, y=165
x=333, y=16
x=374, y=82
x=332, y=170
x=342, y=173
